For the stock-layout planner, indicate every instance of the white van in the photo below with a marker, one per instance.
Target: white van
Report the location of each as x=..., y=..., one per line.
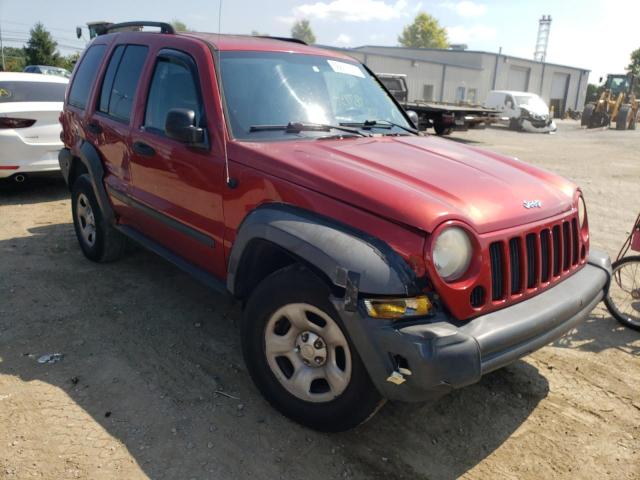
x=522, y=110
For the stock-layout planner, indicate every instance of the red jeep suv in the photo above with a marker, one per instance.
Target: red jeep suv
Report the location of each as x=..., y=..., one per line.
x=372, y=262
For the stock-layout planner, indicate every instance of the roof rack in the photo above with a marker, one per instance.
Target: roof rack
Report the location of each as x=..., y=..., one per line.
x=284, y=39
x=164, y=27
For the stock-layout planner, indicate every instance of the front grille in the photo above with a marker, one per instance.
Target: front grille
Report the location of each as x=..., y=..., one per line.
x=533, y=259
x=514, y=264
x=497, y=271
x=477, y=297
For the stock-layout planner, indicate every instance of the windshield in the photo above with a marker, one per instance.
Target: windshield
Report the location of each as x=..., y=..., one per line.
x=269, y=88
x=532, y=101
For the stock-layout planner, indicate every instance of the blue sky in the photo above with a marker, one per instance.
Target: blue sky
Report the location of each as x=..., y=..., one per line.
x=593, y=34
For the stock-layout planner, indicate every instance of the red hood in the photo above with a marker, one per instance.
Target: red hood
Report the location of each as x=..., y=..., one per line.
x=417, y=181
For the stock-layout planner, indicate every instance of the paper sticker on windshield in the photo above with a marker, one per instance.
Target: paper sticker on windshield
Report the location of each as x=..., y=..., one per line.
x=346, y=68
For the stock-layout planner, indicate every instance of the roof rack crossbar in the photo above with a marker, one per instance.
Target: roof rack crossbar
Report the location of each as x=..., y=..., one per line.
x=284, y=39
x=164, y=27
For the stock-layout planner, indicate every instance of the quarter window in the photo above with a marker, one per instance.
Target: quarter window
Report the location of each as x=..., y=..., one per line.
x=121, y=80
x=172, y=86
x=85, y=76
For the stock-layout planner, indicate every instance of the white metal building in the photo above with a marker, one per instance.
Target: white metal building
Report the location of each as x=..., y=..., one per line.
x=467, y=76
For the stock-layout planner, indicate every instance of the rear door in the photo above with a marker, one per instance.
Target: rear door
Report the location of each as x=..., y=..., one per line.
x=177, y=187
x=109, y=124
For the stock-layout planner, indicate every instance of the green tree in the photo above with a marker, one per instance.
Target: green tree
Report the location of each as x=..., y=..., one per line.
x=424, y=32
x=634, y=66
x=41, y=48
x=14, y=60
x=592, y=93
x=69, y=61
x=302, y=31
x=179, y=26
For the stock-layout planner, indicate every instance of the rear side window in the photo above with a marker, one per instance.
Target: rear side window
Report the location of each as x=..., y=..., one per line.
x=32, y=92
x=85, y=76
x=121, y=81
x=172, y=86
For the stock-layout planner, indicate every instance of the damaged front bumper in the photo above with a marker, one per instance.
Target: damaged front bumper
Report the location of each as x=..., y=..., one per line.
x=534, y=126
x=425, y=361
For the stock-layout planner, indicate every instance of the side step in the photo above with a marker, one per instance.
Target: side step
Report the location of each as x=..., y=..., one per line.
x=198, y=273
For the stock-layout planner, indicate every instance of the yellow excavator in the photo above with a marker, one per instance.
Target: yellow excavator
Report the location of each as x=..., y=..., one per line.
x=616, y=102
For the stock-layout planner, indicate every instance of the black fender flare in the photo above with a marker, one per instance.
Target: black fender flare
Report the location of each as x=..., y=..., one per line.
x=346, y=256
x=90, y=158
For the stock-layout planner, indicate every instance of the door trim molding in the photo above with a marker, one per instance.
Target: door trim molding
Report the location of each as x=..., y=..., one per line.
x=162, y=218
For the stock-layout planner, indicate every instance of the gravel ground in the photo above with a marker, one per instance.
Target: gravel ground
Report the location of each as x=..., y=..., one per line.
x=147, y=351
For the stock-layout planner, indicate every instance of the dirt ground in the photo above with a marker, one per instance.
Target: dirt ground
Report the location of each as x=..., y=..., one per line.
x=146, y=348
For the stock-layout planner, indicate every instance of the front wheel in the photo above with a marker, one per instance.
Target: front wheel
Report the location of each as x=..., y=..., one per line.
x=585, y=120
x=623, y=298
x=301, y=358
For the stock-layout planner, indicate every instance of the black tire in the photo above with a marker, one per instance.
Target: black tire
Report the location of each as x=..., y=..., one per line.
x=585, y=120
x=107, y=244
x=615, y=308
x=441, y=129
x=623, y=117
x=632, y=125
x=515, y=124
x=296, y=285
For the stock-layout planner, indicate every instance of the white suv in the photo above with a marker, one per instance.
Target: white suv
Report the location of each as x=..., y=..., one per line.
x=30, y=105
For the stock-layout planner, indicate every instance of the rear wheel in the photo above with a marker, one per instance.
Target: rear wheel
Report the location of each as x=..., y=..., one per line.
x=623, y=298
x=623, y=118
x=98, y=240
x=585, y=120
x=299, y=354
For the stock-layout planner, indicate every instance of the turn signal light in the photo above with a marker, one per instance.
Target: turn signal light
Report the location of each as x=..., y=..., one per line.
x=397, y=308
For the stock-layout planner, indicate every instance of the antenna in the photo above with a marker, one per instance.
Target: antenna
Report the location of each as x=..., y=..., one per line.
x=544, y=26
x=231, y=182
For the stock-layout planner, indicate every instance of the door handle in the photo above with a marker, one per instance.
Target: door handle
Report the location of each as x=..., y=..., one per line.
x=94, y=128
x=142, y=148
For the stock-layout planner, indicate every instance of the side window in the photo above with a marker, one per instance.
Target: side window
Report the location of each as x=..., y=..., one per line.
x=85, y=76
x=172, y=86
x=121, y=80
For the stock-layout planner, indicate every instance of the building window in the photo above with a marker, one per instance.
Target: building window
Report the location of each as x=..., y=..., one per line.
x=460, y=91
x=472, y=96
x=427, y=93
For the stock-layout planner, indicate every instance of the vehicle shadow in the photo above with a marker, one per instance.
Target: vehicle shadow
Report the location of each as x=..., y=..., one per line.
x=601, y=332
x=154, y=358
x=33, y=190
x=456, y=137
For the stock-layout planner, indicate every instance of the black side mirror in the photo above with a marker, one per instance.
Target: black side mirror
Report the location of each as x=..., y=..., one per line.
x=413, y=116
x=180, y=125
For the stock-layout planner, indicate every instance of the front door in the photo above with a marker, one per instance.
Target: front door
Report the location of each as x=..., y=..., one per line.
x=175, y=186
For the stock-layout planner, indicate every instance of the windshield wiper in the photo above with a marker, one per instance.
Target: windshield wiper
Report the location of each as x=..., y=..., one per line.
x=297, y=127
x=369, y=124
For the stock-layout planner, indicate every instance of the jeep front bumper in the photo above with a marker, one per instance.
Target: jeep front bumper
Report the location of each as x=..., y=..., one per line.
x=443, y=354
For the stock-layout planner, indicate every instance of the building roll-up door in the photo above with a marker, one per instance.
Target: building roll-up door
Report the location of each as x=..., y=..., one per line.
x=558, y=97
x=518, y=79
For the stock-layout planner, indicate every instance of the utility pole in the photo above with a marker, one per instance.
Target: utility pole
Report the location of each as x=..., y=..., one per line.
x=2, y=49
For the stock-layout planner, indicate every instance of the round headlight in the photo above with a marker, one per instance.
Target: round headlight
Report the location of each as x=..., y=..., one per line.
x=452, y=253
x=582, y=211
